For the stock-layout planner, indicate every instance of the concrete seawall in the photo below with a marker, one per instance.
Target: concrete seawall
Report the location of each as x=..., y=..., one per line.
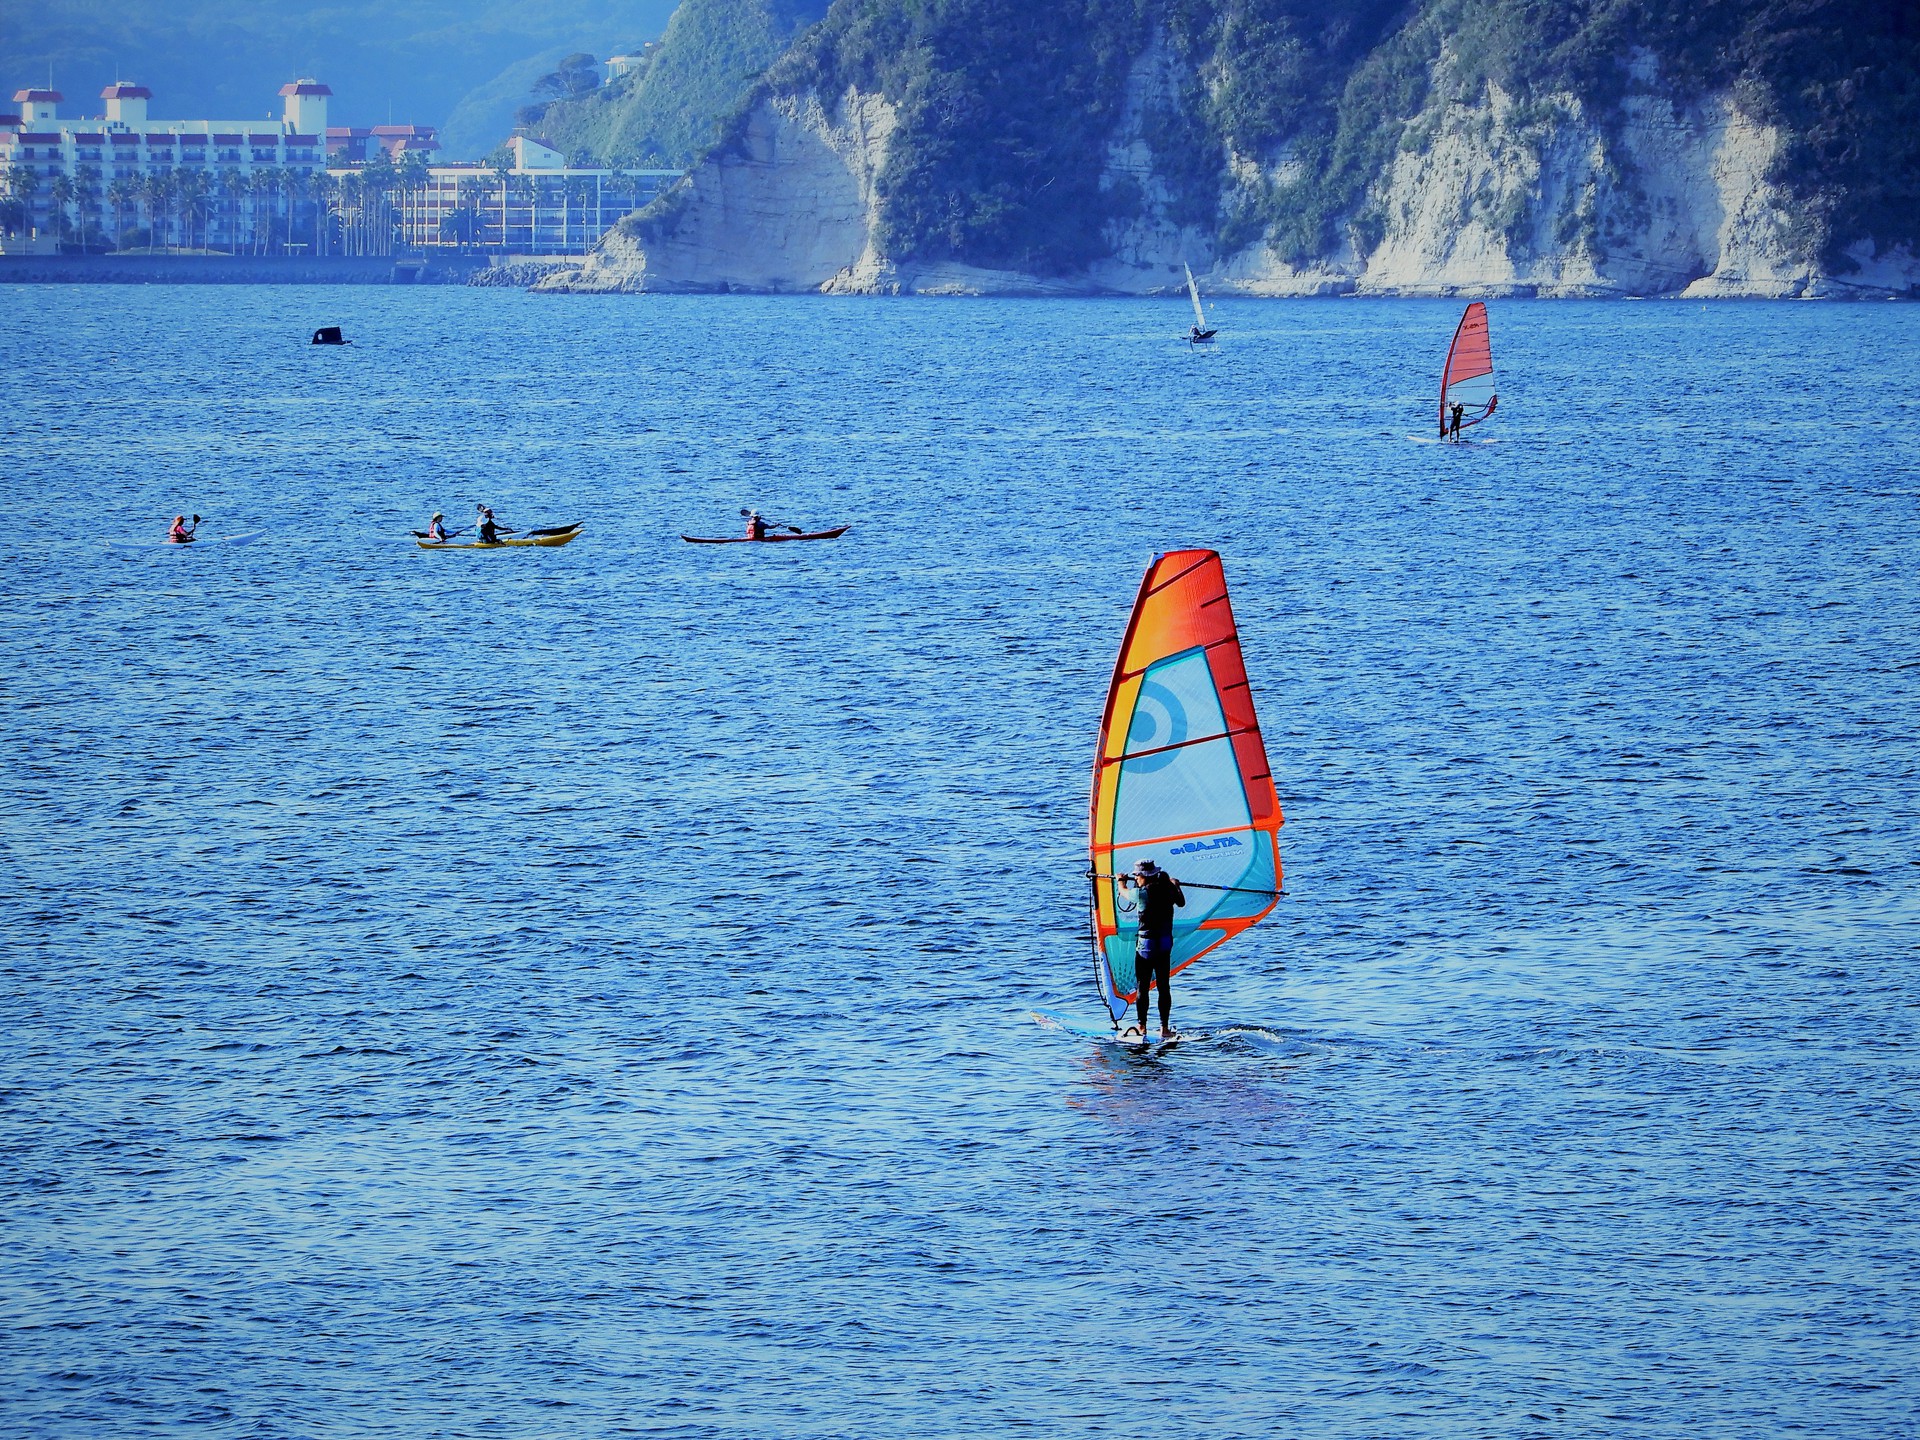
x=238, y=270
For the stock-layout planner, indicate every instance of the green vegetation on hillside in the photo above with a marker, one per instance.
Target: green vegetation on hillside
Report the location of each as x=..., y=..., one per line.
x=670, y=110
x=1005, y=112
x=1007, y=106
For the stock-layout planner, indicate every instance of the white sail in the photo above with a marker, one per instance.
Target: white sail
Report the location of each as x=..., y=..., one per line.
x=1193, y=293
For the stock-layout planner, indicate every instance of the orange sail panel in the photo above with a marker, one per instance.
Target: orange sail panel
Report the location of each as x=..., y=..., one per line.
x=1181, y=777
x=1468, y=379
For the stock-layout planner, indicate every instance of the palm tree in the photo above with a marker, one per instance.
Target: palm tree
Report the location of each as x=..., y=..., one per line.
x=413, y=177
x=503, y=171
x=529, y=193
x=120, y=194
x=193, y=187
x=232, y=185
x=324, y=188
x=377, y=178
x=86, y=182
x=156, y=188
x=261, y=185
x=18, y=185
x=295, y=185
x=61, y=191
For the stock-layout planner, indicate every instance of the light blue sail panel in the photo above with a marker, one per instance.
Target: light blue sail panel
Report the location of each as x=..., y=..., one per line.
x=1181, y=803
x=1177, y=782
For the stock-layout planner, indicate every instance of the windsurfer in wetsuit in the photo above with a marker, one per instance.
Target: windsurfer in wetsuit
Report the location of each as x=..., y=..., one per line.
x=756, y=527
x=1458, y=411
x=1156, y=893
x=181, y=533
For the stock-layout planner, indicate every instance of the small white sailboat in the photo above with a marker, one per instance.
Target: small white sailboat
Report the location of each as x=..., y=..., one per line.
x=1200, y=334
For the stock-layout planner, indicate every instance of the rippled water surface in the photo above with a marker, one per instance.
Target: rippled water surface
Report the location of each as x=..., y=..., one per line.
x=586, y=992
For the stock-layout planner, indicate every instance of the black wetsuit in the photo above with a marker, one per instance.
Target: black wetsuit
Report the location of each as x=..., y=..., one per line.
x=1153, y=948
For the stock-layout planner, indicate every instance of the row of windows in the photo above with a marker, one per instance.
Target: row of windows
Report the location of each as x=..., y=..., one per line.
x=52, y=152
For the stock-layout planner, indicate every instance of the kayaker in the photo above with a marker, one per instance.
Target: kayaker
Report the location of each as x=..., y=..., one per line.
x=1156, y=893
x=181, y=533
x=437, y=529
x=756, y=527
x=490, y=530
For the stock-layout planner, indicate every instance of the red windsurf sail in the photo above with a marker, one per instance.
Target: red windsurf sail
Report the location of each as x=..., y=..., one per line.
x=1468, y=379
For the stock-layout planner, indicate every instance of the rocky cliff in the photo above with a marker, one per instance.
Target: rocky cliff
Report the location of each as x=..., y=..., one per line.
x=1486, y=181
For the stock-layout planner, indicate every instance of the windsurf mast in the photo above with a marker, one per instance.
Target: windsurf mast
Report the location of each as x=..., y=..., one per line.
x=1467, y=380
x=1181, y=775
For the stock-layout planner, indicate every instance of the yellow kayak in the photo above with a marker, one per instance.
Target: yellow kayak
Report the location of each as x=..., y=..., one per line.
x=560, y=539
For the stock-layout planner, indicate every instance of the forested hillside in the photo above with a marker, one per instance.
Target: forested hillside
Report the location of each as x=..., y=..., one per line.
x=1286, y=112
x=416, y=61
x=669, y=111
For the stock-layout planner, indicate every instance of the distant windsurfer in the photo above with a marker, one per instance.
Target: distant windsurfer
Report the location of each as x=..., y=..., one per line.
x=1156, y=893
x=1454, y=433
x=181, y=533
x=756, y=527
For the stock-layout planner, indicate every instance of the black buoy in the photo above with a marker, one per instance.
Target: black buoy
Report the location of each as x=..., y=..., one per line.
x=330, y=335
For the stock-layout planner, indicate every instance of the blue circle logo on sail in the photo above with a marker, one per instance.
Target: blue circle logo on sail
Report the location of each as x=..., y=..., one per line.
x=1159, y=719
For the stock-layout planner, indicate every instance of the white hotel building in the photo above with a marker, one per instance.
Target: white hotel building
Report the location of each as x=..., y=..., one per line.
x=296, y=185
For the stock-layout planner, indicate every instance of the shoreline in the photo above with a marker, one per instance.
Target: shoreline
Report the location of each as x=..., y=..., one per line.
x=555, y=274
x=127, y=269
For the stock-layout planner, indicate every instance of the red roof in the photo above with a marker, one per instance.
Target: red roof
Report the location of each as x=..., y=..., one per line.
x=343, y=132
x=305, y=87
x=121, y=90
x=28, y=97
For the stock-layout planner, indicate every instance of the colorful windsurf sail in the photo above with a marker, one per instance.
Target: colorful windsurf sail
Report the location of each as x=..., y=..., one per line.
x=1468, y=379
x=1181, y=776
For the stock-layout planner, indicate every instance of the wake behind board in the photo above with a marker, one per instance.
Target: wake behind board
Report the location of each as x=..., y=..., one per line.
x=1129, y=1038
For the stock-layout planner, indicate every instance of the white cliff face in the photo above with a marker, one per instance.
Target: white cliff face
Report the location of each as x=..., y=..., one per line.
x=791, y=207
x=1486, y=195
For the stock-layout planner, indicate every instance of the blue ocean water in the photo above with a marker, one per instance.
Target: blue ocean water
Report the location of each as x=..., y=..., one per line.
x=585, y=992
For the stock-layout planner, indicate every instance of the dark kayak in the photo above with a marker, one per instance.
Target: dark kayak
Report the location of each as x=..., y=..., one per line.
x=765, y=539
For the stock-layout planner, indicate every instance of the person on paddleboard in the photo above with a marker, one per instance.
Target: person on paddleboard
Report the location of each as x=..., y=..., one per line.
x=1156, y=893
x=756, y=527
x=181, y=533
